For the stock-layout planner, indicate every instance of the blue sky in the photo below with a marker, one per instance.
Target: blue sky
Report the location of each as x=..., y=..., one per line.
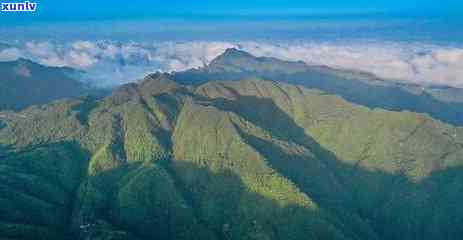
x=59, y=10
x=397, y=39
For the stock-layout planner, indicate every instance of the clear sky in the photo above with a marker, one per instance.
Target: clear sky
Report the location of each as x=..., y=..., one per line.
x=61, y=10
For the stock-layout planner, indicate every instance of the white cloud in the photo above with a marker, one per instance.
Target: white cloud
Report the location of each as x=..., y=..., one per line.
x=10, y=54
x=424, y=64
x=111, y=63
x=80, y=59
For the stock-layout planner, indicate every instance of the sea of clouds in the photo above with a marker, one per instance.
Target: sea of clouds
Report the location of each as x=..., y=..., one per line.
x=109, y=63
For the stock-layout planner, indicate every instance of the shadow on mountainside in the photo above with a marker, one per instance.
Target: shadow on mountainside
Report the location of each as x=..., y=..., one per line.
x=393, y=205
x=176, y=199
x=37, y=190
x=168, y=200
x=219, y=205
x=371, y=95
x=375, y=96
x=196, y=204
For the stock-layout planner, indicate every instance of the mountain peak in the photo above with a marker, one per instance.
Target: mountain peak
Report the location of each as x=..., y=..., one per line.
x=234, y=52
x=232, y=55
x=159, y=83
x=232, y=58
x=235, y=60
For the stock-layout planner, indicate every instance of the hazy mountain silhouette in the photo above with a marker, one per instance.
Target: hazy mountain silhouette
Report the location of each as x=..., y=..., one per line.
x=24, y=83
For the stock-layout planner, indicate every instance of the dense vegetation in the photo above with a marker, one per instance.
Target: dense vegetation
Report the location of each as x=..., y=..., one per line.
x=249, y=159
x=442, y=103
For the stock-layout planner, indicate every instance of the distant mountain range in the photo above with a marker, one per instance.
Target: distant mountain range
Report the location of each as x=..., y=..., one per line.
x=20, y=88
x=443, y=103
x=24, y=83
x=220, y=153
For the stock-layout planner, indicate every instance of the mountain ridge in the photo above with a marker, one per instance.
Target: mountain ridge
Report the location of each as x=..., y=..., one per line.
x=444, y=103
x=249, y=159
x=357, y=87
x=231, y=53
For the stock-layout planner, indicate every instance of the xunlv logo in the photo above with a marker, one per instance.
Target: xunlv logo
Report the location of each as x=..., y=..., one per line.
x=19, y=7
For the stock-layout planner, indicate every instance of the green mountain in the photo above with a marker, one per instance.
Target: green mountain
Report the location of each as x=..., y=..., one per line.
x=24, y=83
x=247, y=159
x=443, y=103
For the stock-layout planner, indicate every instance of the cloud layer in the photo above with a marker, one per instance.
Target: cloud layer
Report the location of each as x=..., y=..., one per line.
x=112, y=63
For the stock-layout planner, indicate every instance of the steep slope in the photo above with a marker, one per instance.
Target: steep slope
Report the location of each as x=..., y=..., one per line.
x=248, y=159
x=37, y=190
x=124, y=182
x=443, y=103
x=387, y=161
x=235, y=187
x=24, y=83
